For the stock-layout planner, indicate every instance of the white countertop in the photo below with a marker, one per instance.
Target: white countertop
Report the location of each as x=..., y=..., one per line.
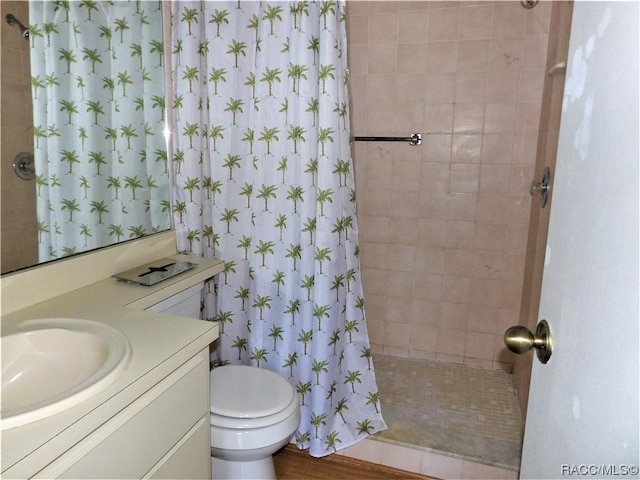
x=160, y=343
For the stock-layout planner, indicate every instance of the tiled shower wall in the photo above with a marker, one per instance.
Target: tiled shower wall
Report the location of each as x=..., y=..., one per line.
x=19, y=225
x=443, y=226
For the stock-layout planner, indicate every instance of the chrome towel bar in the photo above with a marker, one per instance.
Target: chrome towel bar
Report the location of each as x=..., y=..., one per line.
x=413, y=139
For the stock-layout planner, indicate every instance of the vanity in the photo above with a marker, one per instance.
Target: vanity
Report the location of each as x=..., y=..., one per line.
x=152, y=421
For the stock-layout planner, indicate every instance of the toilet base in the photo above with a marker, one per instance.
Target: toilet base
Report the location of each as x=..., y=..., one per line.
x=262, y=469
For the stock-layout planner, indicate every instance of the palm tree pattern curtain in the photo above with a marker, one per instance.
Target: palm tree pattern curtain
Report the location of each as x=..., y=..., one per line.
x=264, y=181
x=99, y=119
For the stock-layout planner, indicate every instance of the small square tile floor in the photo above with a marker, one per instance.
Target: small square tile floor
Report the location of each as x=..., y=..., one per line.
x=467, y=412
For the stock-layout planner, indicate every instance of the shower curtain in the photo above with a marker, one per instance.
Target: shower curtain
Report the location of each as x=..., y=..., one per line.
x=264, y=181
x=99, y=116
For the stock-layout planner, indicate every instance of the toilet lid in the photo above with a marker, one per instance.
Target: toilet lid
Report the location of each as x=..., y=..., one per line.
x=241, y=391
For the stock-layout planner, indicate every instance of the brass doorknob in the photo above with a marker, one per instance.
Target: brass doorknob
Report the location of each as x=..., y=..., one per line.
x=520, y=340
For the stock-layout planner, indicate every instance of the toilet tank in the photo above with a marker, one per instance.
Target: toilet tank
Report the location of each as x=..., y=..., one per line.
x=183, y=304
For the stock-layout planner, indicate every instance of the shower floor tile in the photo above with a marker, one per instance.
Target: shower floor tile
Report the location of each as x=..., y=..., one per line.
x=470, y=413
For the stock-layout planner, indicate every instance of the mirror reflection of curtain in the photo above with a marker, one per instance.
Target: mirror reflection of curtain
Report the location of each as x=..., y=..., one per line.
x=99, y=116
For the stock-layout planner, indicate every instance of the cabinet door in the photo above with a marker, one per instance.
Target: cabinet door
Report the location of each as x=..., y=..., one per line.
x=129, y=444
x=186, y=460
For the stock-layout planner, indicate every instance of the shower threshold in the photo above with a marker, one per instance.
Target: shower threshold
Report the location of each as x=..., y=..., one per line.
x=464, y=412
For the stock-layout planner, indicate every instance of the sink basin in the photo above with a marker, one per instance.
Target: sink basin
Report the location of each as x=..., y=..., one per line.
x=49, y=365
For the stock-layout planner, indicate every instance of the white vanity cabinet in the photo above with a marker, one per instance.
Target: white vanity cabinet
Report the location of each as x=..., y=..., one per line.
x=164, y=433
x=153, y=420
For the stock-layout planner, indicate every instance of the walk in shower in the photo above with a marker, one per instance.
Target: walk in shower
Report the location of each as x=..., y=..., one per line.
x=448, y=233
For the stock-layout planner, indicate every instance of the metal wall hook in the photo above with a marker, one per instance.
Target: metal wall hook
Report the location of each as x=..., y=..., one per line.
x=12, y=20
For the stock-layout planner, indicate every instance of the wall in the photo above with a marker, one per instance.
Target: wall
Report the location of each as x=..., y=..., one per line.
x=18, y=203
x=443, y=226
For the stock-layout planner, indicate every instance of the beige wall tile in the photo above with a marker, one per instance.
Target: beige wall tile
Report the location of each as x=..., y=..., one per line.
x=468, y=117
x=495, y=178
x=434, y=205
x=412, y=58
x=443, y=24
x=442, y=57
x=374, y=229
x=380, y=89
x=464, y=178
x=383, y=27
x=382, y=58
x=414, y=26
x=460, y=235
x=451, y=342
x=430, y=260
x=397, y=334
x=403, y=231
x=479, y=345
x=498, y=148
x=400, y=284
x=462, y=207
x=490, y=236
x=453, y=316
x=358, y=26
x=431, y=233
x=508, y=19
x=402, y=258
x=409, y=118
x=466, y=148
x=440, y=88
x=428, y=290
x=475, y=21
x=456, y=289
x=484, y=318
x=473, y=55
x=424, y=338
x=447, y=221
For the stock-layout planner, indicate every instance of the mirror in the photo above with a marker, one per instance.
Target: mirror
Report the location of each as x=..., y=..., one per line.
x=83, y=94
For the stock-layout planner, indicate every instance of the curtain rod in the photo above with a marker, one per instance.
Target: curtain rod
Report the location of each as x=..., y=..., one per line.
x=413, y=139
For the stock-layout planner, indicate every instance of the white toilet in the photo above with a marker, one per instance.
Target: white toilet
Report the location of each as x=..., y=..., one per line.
x=254, y=412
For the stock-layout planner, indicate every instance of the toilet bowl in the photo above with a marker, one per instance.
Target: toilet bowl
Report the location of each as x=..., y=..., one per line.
x=253, y=412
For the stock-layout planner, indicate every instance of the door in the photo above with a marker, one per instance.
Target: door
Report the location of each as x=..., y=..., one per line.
x=583, y=409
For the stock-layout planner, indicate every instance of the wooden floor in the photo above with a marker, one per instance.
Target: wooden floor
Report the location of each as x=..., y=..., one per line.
x=294, y=464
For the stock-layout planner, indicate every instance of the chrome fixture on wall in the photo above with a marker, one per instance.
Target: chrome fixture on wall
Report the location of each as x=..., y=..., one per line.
x=11, y=20
x=529, y=4
x=542, y=188
x=23, y=166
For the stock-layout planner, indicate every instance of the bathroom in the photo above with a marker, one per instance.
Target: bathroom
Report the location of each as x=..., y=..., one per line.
x=464, y=245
